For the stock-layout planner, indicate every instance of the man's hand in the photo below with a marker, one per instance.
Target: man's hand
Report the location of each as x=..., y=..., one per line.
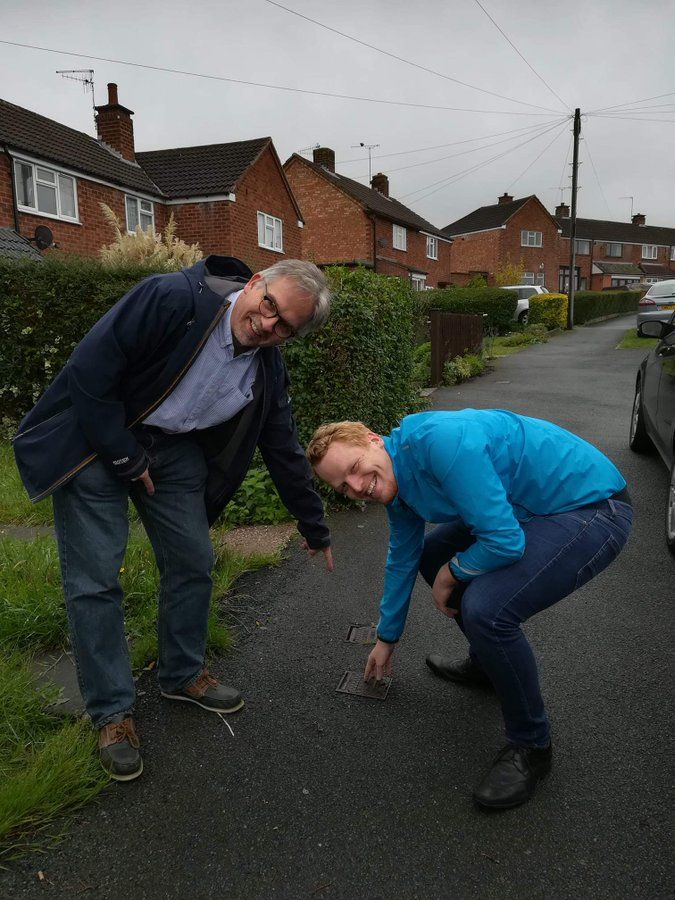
x=444, y=585
x=379, y=662
x=327, y=552
x=147, y=481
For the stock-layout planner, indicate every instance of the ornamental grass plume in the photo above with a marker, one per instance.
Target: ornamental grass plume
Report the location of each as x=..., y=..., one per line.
x=158, y=251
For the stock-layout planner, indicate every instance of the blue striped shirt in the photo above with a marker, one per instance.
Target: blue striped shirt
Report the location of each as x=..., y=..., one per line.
x=215, y=387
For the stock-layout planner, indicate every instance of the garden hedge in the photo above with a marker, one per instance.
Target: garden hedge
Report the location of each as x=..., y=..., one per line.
x=498, y=305
x=359, y=366
x=596, y=304
x=549, y=310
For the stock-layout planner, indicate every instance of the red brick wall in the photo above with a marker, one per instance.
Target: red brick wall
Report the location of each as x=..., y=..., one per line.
x=533, y=217
x=206, y=224
x=631, y=253
x=399, y=262
x=475, y=253
x=337, y=229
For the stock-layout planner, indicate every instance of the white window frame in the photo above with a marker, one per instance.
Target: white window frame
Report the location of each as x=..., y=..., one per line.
x=531, y=238
x=399, y=238
x=419, y=282
x=528, y=278
x=139, y=201
x=34, y=210
x=611, y=244
x=432, y=247
x=579, y=244
x=540, y=278
x=267, y=223
x=650, y=251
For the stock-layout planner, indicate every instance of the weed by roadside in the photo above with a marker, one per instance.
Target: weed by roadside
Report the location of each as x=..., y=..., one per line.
x=632, y=341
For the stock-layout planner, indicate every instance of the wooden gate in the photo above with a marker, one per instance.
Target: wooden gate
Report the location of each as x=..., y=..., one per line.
x=452, y=334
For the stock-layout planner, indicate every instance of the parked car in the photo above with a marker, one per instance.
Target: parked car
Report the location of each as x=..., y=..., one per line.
x=657, y=302
x=652, y=423
x=524, y=292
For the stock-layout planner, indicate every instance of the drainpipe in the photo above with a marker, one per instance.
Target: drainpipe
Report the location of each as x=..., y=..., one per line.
x=17, y=226
x=590, y=271
x=374, y=221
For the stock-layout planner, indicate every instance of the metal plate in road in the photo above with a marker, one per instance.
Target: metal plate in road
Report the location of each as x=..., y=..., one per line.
x=362, y=634
x=353, y=683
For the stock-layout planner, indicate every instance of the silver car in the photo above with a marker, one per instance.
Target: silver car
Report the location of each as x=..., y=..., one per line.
x=524, y=292
x=658, y=303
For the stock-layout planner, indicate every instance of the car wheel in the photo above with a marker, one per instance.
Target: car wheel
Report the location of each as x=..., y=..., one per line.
x=523, y=317
x=670, y=512
x=639, y=441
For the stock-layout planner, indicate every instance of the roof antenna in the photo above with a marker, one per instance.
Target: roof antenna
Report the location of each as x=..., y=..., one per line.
x=86, y=79
x=369, y=148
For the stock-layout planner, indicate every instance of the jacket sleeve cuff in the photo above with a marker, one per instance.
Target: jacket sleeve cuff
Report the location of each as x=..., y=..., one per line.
x=129, y=467
x=386, y=640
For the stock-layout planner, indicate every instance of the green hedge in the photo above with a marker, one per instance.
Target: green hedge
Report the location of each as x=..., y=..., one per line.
x=549, y=310
x=498, y=305
x=596, y=304
x=360, y=365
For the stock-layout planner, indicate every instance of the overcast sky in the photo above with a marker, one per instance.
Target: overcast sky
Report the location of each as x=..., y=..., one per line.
x=592, y=55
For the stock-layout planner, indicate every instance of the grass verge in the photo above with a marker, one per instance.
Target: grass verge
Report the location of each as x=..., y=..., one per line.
x=632, y=341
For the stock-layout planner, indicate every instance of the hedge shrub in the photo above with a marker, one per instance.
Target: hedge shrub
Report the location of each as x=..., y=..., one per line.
x=549, y=310
x=596, y=304
x=498, y=305
x=360, y=365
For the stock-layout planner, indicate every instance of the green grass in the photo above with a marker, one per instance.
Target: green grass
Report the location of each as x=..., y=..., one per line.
x=15, y=507
x=632, y=341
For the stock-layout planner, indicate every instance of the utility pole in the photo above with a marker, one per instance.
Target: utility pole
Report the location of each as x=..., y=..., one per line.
x=369, y=148
x=573, y=220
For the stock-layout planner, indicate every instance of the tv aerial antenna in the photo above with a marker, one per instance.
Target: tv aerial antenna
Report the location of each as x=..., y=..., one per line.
x=86, y=79
x=307, y=149
x=369, y=148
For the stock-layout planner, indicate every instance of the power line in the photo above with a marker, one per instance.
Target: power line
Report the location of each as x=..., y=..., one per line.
x=457, y=176
x=595, y=172
x=562, y=174
x=344, y=162
x=629, y=118
x=537, y=157
x=274, y=87
x=566, y=107
x=408, y=62
x=631, y=103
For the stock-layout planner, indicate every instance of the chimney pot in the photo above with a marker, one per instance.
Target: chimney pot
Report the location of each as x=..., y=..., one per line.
x=114, y=124
x=562, y=211
x=112, y=94
x=505, y=198
x=639, y=219
x=380, y=183
x=324, y=156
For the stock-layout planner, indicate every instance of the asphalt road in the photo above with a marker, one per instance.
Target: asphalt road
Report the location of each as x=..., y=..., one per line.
x=322, y=795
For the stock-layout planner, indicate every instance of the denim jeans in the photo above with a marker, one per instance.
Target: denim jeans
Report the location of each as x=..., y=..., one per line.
x=562, y=553
x=92, y=529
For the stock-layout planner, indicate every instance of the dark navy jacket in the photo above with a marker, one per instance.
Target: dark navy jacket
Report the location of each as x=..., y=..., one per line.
x=128, y=363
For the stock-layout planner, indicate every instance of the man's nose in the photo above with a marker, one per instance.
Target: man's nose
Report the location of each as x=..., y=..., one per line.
x=355, y=483
x=267, y=323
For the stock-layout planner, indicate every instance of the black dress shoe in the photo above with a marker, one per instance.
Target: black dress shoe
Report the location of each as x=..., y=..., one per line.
x=464, y=672
x=513, y=777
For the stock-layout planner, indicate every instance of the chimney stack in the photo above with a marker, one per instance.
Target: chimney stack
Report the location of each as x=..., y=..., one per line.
x=639, y=219
x=504, y=199
x=114, y=125
x=380, y=183
x=562, y=211
x=324, y=156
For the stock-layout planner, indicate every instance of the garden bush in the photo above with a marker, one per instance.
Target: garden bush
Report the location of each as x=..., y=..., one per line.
x=597, y=304
x=498, y=306
x=549, y=310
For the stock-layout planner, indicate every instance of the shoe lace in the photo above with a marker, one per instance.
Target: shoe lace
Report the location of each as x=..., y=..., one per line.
x=205, y=681
x=121, y=731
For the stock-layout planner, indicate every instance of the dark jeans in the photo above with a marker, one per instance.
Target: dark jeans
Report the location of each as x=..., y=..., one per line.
x=562, y=553
x=92, y=528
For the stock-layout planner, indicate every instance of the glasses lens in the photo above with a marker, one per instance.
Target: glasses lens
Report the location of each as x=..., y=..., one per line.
x=281, y=329
x=268, y=307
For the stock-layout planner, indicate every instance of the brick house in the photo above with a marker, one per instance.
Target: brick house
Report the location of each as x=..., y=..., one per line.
x=348, y=223
x=231, y=198
x=615, y=254
x=510, y=231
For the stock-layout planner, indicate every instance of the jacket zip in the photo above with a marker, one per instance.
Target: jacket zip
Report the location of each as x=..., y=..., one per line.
x=150, y=408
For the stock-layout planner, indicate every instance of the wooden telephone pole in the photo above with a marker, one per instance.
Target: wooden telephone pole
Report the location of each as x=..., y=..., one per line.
x=573, y=220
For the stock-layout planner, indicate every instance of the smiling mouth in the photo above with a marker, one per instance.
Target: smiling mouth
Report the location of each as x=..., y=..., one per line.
x=254, y=328
x=371, y=487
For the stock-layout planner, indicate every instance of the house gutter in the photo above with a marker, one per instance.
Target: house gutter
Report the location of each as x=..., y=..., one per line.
x=15, y=206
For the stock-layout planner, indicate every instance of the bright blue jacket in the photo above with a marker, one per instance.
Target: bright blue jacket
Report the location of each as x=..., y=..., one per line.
x=492, y=469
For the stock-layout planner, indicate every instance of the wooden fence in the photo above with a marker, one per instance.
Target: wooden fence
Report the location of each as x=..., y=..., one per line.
x=452, y=334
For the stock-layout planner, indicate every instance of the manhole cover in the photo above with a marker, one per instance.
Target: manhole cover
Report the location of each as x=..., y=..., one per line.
x=362, y=634
x=353, y=683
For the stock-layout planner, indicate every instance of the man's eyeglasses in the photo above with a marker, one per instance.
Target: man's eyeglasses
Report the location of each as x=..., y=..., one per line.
x=269, y=310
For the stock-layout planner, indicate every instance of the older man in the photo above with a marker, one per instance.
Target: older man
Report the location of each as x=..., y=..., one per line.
x=165, y=401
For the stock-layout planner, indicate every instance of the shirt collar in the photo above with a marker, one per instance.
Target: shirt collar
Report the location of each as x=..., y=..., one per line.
x=225, y=338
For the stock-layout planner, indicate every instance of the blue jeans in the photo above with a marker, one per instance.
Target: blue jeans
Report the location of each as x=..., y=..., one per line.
x=562, y=553
x=92, y=529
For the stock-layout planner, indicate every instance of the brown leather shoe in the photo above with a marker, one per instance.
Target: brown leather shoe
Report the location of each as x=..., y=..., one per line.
x=118, y=749
x=210, y=694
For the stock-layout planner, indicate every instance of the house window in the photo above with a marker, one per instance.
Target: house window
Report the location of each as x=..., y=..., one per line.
x=400, y=238
x=45, y=191
x=672, y=253
x=624, y=282
x=531, y=239
x=649, y=251
x=419, y=282
x=583, y=248
x=432, y=247
x=614, y=250
x=528, y=277
x=270, y=232
x=139, y=212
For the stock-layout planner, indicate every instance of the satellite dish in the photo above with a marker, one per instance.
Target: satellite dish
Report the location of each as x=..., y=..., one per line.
x=43, y=237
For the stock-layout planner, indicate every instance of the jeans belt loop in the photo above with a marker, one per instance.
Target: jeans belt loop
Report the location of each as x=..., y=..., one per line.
x=612, y=506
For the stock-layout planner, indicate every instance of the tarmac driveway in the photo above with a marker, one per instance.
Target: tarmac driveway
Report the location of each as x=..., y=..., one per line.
x=322, y=795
